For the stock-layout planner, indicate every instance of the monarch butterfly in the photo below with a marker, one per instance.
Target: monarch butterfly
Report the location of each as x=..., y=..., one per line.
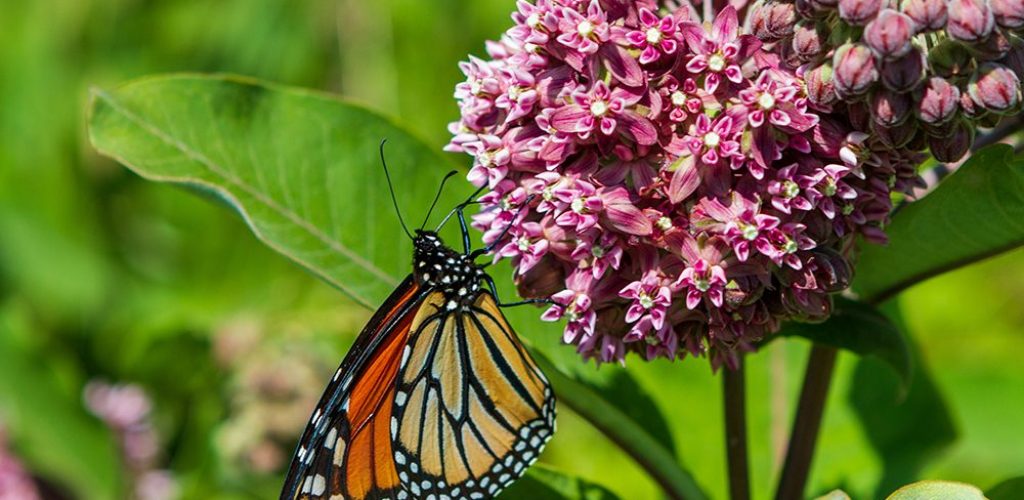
x=437, y=398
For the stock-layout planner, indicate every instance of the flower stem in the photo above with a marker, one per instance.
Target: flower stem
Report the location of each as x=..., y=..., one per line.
x=734, y=392
x=797, y=465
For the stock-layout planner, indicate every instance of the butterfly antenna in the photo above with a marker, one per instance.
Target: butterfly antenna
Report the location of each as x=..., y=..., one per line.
x=391, y=188
x=461, y=206
x=437, y=197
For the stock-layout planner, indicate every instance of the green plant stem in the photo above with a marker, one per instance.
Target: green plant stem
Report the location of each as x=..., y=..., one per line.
x=654, y=458
x=809, y=411
x=734, y=396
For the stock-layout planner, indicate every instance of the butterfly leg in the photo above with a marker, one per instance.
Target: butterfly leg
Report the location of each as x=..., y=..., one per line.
x=494, y=291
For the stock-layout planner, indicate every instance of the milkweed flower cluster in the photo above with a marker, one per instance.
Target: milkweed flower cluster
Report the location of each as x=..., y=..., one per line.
x=125, y=409
x=665, y=180
x=921, y=74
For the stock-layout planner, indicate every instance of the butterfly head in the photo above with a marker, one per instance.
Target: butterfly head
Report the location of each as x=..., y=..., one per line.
x=437, y=265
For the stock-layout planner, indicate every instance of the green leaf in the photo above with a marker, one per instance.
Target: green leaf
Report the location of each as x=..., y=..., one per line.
x=929, y=490
x=907, y=428
x=302, y=170
x=976, y=213
x=1011, y=489
x=862, y=329
x=545, y=483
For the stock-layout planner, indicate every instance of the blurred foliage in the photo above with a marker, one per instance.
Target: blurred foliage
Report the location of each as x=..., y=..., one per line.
x=105, y=276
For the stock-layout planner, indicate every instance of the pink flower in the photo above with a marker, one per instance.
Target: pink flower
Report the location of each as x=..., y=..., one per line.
x=526, y=246
x=583, y=32
x=701, y=280
x=491, y=160
x=720, y=52
x=650, y=299
x=598, y=252
x=716, y=141
x=655, y=38
x=574, y=305
x=602, y=108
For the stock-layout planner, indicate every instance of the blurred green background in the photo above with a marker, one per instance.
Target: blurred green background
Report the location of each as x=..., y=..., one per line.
x=104, y=276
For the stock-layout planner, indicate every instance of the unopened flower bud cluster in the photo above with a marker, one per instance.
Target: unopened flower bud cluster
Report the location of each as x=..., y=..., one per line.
x=922, y=74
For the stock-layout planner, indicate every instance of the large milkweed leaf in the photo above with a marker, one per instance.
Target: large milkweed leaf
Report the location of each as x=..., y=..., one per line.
x=907, y=426
x=976, y=213
x=302, y=170
x=862, y=329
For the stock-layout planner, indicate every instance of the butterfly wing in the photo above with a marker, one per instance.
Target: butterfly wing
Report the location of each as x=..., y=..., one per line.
x=472, y=409
x=346, y=447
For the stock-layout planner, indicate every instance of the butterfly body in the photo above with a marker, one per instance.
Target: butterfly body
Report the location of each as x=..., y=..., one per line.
x=436, y=399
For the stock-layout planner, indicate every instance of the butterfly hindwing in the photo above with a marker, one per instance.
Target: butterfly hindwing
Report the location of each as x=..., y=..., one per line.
x=472, y=408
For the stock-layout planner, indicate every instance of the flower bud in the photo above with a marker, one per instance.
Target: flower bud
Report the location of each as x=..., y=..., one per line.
x=1014, y=58
x=905, y=73
x=820, y=86
x=995, y=88
x=938, y=102
x=809, y=39
x=807, y=10
x=1008, y=13
x=898, y=136
x=970, y=20
x=889, y=108
x=952, y=148
x=772, y=21
x=859, y=12
x=544, y=279
x=993, y=48
x=854, y=70
x=929, y=15
x=950, y=59
x=832, y=271
x=889, y=34
x=969, y=108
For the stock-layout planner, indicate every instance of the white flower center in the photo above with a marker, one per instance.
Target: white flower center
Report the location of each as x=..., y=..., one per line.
x=767, y=101
x=548, y=193
x=830, y=187
x=514, y=92
x=572, y=314
x=712, y=140
x=847, y=209
x=585, y=29
x=486, y=158
x=598, y=108
x=664, y=223
x=523, y=244
x=533, y=20
x=646, y=301
x=653, y=35
x=790, y=189
x=716, y=63
x=597, y=251
x=577, y=205
x=790, y=246
x=702, y=284
x=531, y=47
x=749, y=232
x=678, y=98
x=475, y=87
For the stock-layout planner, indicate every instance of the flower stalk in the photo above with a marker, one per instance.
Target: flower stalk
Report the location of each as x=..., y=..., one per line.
x=811, y=407
x=734, y=393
